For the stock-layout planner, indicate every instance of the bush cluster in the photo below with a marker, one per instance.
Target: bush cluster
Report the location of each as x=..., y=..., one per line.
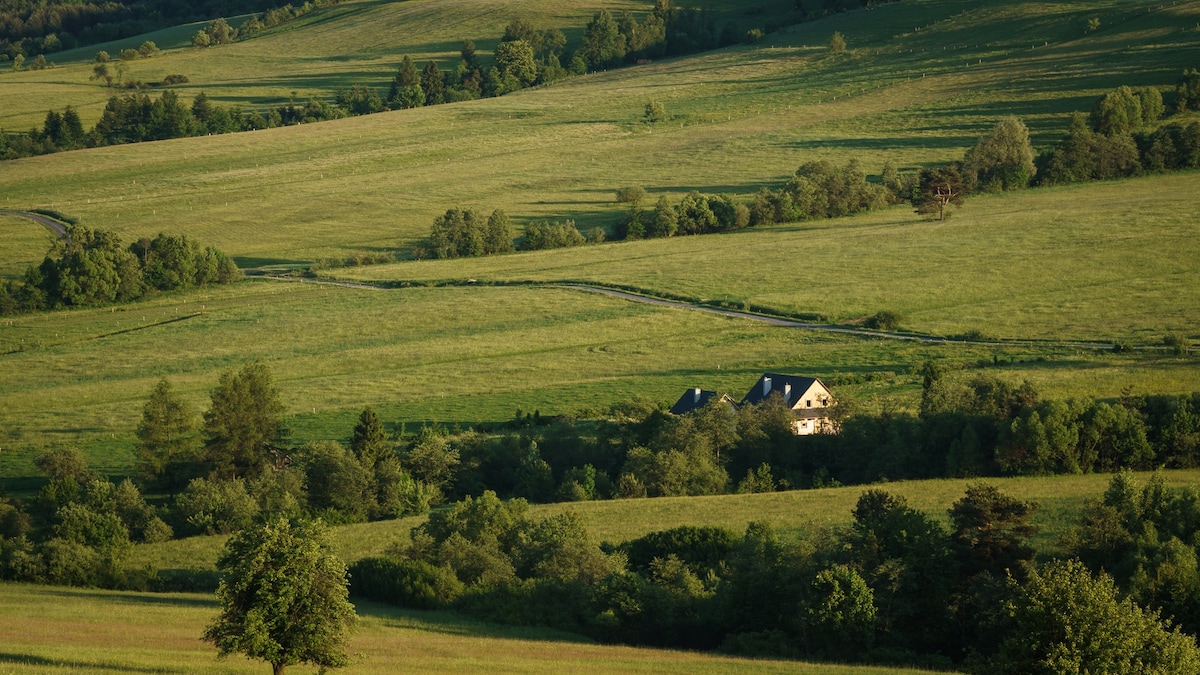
x=91, y=267
x=894, y=587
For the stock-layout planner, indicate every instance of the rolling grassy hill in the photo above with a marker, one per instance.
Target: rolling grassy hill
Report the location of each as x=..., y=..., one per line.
x=793, y=514
x=922, y=80
x=58, y=630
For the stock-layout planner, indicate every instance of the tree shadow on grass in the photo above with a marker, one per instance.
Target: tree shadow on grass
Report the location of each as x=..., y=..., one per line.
x=449, y=623
x=26, y=660
x=115, y=598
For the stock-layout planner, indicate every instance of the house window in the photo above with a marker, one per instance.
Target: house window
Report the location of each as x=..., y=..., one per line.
x=808, y=403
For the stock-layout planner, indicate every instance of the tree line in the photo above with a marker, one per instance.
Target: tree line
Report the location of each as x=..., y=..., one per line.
x=91, y=267
x=137, y=117
x=38, y=28
x=895, y=587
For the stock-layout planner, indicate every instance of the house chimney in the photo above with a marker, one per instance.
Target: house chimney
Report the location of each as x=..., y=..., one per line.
x=787, y=392
x=766, y=386
x=696, y=395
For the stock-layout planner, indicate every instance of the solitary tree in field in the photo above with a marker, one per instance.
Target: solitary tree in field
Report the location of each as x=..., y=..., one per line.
x=939, y=189
x=655, y=112
x=283, y=597
x=837, y=44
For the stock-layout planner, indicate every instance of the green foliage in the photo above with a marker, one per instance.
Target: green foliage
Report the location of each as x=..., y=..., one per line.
x=655, y=112
x=515, y=59
x=1187, y=91
x=1065, y=620
x=406, y=91
x=885, y=320
x=216, y=506
x=167, y=436
x=244, y=422
x=837, y=44
x=604, y=46
x=544, y=235
x=1002, y=160
x=1117, y=112
x=1087, y=155
x=938, y=189
x=991, y=532
x=413, y=584
x=283, y=597
x=217, y=32
x=839, y=617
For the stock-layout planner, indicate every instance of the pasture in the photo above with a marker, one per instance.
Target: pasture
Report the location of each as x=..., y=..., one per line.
x=740, y=119
x=794, y=514
x=52, y=630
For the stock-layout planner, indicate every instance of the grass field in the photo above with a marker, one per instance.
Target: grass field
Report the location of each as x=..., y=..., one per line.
x=1124, y=265
x=22, y=243
x=792, y=514
x=460, y=355
x=742, y=118
x=58, y=630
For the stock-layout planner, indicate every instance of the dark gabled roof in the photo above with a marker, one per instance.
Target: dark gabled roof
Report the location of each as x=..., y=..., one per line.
x=694, y=399
x=779, y=384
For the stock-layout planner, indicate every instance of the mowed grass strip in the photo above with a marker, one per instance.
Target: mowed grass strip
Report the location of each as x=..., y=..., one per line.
x=52, y=630
x=793, y=514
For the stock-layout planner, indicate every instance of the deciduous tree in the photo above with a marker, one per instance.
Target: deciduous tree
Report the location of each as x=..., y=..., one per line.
x=283, y=597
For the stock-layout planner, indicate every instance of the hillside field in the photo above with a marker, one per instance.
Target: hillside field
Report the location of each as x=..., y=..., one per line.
x=52, y=630
x=794, y=514
x=923, y=79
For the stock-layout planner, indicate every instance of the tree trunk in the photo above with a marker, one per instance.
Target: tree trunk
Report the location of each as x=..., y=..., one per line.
x=278, y=668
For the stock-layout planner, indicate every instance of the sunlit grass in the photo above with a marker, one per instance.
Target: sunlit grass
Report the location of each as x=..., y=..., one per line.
x=799, y=513
x=59, y=630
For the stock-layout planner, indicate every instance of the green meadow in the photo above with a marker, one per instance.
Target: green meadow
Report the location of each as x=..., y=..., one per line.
x=921, y=82
x=64, y=630
x=1106, y=261
x=793, y=515
x=454, y=356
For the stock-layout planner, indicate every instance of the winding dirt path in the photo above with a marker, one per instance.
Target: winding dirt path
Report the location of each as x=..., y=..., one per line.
x=762, y=318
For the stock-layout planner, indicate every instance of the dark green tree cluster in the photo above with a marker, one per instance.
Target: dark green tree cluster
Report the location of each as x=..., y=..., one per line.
x=79, y=529
x=895, y=587
x=217, y=32
x=91, y=267
x=34, y=28
x=1144, y=536
x=694, y=214
x=1118, y=138
x=465, y=233
x=236, y=466
x=544, y=235
x=137, y=117
x=819, y=190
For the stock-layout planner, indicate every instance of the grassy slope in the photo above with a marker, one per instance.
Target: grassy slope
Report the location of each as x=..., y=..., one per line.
x=57, y=630
x=22, y=243
x=792, y=514
x=1123, y=265
x=358, y=42
x=453, y=355
x=743, y=118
